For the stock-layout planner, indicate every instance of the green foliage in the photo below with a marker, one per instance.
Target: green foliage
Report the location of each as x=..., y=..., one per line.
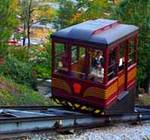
x=20, y=53
x=7, y=24
x=24, y=68
x=33, y=11
x=71, y=12
x=19, y=71
x=16, y=94
x=65, y=13
x=137, y=12
x=3, y=50
x=42, y=71
x=41, y=60
x=8, y=20
x=96, y=9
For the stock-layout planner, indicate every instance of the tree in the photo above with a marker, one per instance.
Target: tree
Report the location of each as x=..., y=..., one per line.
x=32, y=12
x=64, y=13
x=137, y=12
x=7, y=24
x=8, y=20
x=96, y=9
x=71, y=12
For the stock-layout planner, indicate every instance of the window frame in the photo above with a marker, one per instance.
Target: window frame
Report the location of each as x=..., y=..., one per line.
x=78, y=57
x=133, y=52
x=121, y=46
x=115, y=49
x=54, y=55
x=77, y=49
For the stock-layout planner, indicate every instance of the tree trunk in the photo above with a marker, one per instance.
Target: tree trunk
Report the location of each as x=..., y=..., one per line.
x=24, y=34
x=28, y=22
x=28, y=35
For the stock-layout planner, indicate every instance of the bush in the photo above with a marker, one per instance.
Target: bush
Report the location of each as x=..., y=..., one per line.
x=16, y=94
x=19, y=71
x=3, y=50
x=25, y=65
x=20, y=53
x=42, y=71
x=41, y=60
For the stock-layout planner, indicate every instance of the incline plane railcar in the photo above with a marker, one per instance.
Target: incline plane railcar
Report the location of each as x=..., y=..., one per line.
x=94, y=66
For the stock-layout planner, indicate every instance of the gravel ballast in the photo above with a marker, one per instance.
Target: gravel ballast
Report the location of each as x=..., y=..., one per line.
x=117, y=132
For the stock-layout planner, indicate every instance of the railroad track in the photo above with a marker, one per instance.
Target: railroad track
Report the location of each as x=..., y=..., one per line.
x=17, y=120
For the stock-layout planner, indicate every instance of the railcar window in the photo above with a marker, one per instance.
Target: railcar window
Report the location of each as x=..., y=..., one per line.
x=74, y=54
x=78, y=61
x=131, y=53
x=122, y=57
x=112, y=67
x=61, y=57
x=81, y=52
x=96, y=65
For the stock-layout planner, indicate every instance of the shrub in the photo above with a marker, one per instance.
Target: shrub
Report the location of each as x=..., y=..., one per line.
x=20, y=53
x=19, y=71
x=16, y=94
x=42, y=71
x=3, y=50
x=41, y=60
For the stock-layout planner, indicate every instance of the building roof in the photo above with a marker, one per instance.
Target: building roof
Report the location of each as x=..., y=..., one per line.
x=100, y=31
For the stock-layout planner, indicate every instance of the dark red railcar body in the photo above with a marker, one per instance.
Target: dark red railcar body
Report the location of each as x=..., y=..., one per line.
x=109, y=89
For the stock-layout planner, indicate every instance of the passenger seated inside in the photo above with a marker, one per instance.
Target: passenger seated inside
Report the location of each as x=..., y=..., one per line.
x=97, y=65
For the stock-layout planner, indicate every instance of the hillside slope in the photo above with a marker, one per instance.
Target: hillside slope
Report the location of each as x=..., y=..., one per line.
x=14, y=94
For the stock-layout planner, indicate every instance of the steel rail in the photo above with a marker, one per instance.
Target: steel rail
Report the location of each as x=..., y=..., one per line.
x=19, y=121
x=56, y=107
x=30, y=107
